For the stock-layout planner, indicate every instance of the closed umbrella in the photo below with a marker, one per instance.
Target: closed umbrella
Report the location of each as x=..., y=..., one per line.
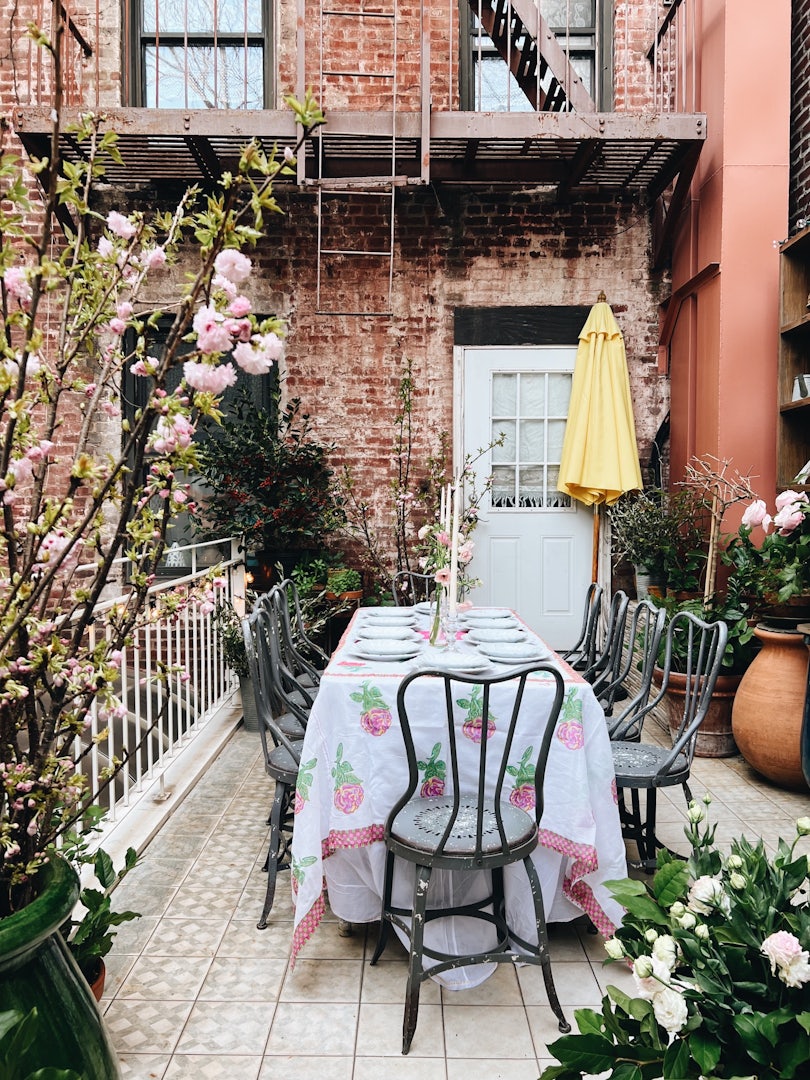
x=600, y=455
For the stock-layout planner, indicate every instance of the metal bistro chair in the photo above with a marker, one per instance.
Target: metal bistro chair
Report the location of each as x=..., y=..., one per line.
x=282, y=754
x=290, y=686
x=641, y=766
x=467, y=830
x=583, y=653
x=605, y=666
x=295, y=649
x=641, y=655
x=408, y=587
x=295, y=631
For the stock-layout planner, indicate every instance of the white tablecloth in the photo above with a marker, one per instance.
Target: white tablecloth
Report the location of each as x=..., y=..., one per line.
x=353, y=769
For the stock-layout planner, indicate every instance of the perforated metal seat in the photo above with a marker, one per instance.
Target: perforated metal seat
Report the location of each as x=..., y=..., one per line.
x=474, y=828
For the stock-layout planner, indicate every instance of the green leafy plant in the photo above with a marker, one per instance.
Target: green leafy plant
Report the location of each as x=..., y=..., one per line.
x=90, y=936
x=18, y=1038
x=228, y=628
x=343, y=580
x=778, y=569
x=269, y=480
x=719, y=949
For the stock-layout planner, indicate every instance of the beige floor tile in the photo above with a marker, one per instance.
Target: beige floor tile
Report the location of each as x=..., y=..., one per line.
x=501, y=988
x=496, y=1068
x=313, y=1029
x=573, y=981
x=239, y=978
x=143, y=1066
x=118, y=966
x=308, y=1068
x=154, y=977
x=227, y=1027
x=328, y=944
x=323, y=980
x=212, y=1067
x=241, y=938
x=186, y=937
x=146, y=1027
x=504, y=1032
x=385, y=984
x=402, y=1068
x=379, y=1031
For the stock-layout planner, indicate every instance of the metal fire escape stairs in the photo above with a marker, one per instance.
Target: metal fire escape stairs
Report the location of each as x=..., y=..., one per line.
x=523, y=39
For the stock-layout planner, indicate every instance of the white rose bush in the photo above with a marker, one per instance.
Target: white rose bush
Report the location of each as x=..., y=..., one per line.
x=73, y=502
x=719, y=947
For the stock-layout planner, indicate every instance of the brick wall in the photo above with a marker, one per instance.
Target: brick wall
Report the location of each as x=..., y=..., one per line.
x=799, y=202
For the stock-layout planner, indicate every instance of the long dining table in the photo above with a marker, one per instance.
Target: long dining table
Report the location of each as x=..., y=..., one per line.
x=353, y=770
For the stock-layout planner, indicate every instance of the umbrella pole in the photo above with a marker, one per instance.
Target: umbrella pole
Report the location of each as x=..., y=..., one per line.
x=595, y=558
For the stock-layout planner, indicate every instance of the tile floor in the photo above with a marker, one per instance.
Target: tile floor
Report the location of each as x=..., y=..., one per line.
x=195, y=990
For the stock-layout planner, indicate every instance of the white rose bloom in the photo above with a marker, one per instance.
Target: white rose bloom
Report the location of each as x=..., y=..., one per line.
x=650, y=935
x=695, y=813
x=666, y=951
x=702, y=932
x=706, y=894
x=650, y=976
x=734, y=862
x=614, y=948
x=687, y=921
x=737, y=881
x=670, y=1009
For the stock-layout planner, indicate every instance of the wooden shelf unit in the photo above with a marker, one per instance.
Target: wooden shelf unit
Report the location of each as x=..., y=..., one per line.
x=793, y=420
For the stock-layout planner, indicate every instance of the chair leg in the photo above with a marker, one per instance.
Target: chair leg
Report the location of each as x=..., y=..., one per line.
x=650, y=843
x=273, y=852
x=542, y=945
x=420, y=890
x=382, y=938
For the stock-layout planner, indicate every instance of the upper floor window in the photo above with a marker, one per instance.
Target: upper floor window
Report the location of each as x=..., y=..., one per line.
x=582, y=30
x=202, y=54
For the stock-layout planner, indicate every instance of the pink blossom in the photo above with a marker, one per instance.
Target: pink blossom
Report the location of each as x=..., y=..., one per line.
x=110, y=408
x=238, y=328
x=211, y=334
x=120, y=225
x=755, y=514
x=179, y=496
x=117, y=326
x=124, y=309
x=465, y=552
x=233, y=265
x=444, y=538
x=271, y=344
x=140, y=368
x=105, y=247
x=442, y=576
x=17, y=285
x=789, y=498
x=154, y=258
x=239, y=306
x=788, y=518
x=289, y=156
x=207, y=378
x=226, y=286
x=251, y=360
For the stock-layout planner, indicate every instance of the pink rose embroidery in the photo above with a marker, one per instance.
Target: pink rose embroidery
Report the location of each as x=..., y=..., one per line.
x=614, y=791
x=299, y=803
x=432, y=788
x=523, y=797
x=434, y=772
x=305, y=777
x=376, y=715
x=571, y=734
x=473, y=727
x=523, y=794
x=349, y=792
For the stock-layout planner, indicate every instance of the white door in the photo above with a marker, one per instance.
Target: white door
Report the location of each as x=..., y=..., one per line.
x=533, y=545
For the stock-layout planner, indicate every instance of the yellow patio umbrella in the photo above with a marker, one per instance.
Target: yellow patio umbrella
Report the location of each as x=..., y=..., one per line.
x=600, y=455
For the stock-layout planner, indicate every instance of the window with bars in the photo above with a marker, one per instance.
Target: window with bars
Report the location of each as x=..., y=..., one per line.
x=583, y=29
x=530, y=409
x=201, y=54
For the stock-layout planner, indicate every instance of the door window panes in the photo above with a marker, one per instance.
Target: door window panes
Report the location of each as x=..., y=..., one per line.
x=529, y=409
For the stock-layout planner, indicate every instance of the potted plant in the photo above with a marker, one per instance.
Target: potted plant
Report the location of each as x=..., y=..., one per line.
x=228, y=627
x=719, y=948
x=344, y=583
x=75, y=314
x=642, y=530
x=269, y=480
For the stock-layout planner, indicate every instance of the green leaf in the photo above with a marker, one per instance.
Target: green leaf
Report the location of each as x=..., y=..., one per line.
x=588, y=1021
x=676, y=1060
x=588, y=1053
x=105, y=871
x=804, y=1019
x=756, y=1045
x=705, y=1050
x=671, y=882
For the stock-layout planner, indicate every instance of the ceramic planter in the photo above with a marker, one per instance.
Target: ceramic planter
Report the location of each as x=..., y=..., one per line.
x=715, y=737
x=37, y=971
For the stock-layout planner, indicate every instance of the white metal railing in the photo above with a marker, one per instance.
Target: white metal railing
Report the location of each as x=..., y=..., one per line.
x=173, y=680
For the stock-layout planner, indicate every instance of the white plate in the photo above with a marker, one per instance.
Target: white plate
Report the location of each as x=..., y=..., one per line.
x=483, y=635
x=425, y=607
x=491, y=624
x=463, y=663
x=488, y=613
x=390, y=614
x=376, y=630
x=513, y=652
x=387, y=651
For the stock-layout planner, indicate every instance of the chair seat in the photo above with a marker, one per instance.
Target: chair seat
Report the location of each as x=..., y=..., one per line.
x=635, y=762
x=281, y=765
x=420, y=825
x=290, y=725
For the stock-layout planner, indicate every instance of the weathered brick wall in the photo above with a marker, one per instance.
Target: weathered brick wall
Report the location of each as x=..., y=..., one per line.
x=799, y=202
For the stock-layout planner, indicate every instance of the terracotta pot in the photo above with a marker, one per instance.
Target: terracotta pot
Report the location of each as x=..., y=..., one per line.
x=715, y=737
x=767, y=716
x=97, y=984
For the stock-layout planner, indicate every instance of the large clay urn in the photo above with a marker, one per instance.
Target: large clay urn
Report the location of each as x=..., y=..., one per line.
x=769, y=705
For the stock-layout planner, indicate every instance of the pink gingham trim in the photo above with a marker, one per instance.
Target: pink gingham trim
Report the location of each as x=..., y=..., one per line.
x=306, y=928
x=339, y=839
x=574, y=888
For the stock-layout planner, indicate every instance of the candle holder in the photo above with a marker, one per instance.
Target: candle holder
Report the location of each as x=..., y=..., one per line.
x=450, y=628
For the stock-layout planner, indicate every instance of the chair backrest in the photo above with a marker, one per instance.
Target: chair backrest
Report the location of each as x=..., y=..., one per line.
x=461, y=717
x=260, y=663
x=641, y=655
x=606, y=664
x=408, y=587
x=583, y=653
x=286, y=692
x=296, y=661
x=694, y=648
x=303, y=642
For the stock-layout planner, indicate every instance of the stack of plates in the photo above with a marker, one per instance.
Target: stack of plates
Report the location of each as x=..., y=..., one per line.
x=514, y=652
x=375, y=630
x=505, y=622
x=386, y=649
x=483, y=635
x=425, y=607
x=389, y=616
x=465, y=663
